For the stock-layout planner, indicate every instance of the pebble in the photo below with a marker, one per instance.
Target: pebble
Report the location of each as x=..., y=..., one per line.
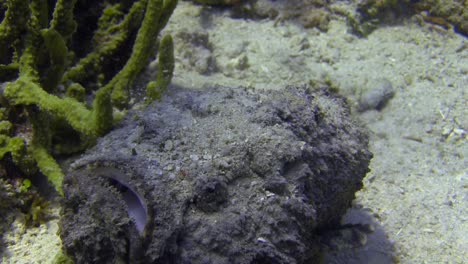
x=168, y=145
x=376, y=95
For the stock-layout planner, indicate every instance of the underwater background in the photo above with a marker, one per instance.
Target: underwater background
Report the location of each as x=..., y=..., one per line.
x=402, y=66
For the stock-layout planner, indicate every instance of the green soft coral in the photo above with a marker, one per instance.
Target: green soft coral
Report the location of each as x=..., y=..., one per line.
x=62, y=20
x=48, y=166
x=20, y=155
x=113, y=31
x=17, y=11
x=52, y=76
x=155, y=89
x=155, y=19
x=55, y=45
x=13, y=145
x=25, y=91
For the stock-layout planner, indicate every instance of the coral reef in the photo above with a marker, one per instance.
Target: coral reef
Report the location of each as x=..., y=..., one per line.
x=363, y=16
x=309, y=13
x=63, y=77
x=447, y=14
x=223, y=175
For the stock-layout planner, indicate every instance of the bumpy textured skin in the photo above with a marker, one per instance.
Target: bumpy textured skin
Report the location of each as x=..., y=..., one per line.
x=227, y=176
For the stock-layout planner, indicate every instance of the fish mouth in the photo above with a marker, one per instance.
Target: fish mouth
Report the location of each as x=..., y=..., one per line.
x=136, y=206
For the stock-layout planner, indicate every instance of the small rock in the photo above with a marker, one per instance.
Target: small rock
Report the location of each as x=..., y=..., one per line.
x=376, y=95
x=168, y=145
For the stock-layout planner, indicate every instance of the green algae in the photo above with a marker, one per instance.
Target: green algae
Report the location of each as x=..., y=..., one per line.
x=155, y=89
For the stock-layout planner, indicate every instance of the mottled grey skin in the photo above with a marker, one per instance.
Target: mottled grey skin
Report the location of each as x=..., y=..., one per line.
x=226, y=175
